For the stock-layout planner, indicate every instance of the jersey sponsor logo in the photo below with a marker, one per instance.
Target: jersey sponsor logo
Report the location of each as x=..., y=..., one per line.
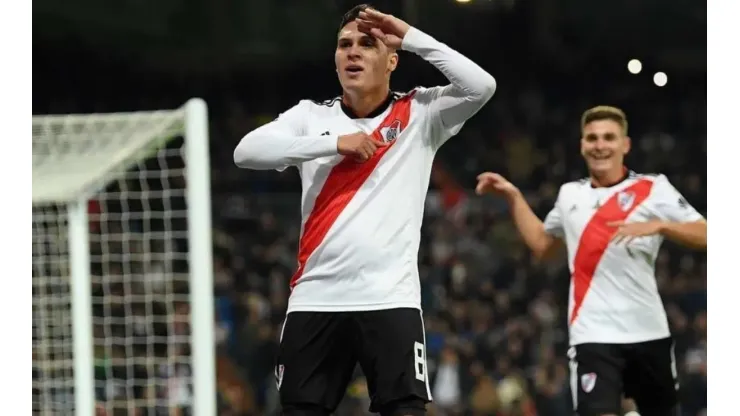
x=625, y=200
x=391, y=132
x=588, y=382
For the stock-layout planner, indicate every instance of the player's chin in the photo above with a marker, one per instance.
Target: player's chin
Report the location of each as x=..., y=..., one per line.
x=354, y=83
x=600, y=165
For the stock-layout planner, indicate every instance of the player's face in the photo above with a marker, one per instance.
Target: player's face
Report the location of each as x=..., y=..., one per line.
x=604, y=146
x=363, y=62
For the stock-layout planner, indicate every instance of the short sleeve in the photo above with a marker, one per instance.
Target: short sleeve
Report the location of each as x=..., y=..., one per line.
x=554, y=221
x=670, y=205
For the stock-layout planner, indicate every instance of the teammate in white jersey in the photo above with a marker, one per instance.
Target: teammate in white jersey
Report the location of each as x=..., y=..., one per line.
x=613, y=224
x=365, y=161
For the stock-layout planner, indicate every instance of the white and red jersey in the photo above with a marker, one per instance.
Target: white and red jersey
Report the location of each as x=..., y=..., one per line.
x=361, y=222
x=614, y=296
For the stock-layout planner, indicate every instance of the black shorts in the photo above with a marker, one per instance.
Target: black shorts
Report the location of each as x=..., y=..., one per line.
x=320, y=350
x=602, y=373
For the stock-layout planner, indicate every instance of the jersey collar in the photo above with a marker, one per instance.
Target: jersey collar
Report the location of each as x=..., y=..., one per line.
x=378, y=110
x=626, y=174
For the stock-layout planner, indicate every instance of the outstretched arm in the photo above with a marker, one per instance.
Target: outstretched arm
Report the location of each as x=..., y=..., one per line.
x=282, y=143
x=542, y=238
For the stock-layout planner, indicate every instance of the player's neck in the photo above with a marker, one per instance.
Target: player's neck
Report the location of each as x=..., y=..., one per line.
x=607, y=179
x=365, y=103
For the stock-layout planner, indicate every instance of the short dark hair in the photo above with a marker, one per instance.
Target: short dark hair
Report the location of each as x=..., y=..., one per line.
x=605, y=112
x=353, y=14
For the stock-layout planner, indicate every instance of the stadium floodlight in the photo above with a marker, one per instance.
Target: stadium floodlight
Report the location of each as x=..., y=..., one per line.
x=660, y=79
x=122, y=268
x=634, y=66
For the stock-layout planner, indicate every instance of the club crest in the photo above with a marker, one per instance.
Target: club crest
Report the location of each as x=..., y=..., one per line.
x=588, y=381
x=625, y=200
x=391, y=132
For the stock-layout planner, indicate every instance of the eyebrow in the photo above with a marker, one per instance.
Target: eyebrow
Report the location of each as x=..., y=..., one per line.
x=364, y=36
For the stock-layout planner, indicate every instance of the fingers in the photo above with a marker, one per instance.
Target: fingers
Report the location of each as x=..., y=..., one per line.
x=617, y=237
x=365, y=25
x=366, y=150
x=480, y=189
x=372, y=14
x=489, y=181
x=378, y=34
x=623, y=237
x=364, y=153
x=378, y=143
x=371, y=28
x=490, y=176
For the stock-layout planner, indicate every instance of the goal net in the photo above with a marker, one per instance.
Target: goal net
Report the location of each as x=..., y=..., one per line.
x=122, y=279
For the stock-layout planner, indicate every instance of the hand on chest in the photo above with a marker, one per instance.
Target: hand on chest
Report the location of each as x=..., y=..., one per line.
x=387, y=132
x=600, y=206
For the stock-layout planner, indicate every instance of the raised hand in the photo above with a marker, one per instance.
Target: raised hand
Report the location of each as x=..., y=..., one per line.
x=489, y=182
x=359, y=145
x=626, y=232
x=387, y=28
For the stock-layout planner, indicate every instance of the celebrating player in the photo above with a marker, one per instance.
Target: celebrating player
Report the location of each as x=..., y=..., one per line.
x=365, y=161
x=613, y=224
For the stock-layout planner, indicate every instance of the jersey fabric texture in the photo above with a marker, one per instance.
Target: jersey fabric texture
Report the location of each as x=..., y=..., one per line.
x=319, y=351
x=644, y=371
x=361, y=221
x=613, y=292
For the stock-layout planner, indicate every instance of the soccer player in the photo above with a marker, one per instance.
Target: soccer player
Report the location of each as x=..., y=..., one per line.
x=365, y=161
x=612, y=223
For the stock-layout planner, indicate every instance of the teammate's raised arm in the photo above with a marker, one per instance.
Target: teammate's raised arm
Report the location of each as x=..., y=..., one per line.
x=541, y=238
x=470, y=85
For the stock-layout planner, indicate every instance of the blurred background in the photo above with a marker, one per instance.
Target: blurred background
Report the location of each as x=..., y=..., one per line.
x=496, y=319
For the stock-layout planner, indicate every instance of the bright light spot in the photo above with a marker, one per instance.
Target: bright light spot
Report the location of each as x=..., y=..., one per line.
x=463, y=1
x=634, y=66
x=660, y=79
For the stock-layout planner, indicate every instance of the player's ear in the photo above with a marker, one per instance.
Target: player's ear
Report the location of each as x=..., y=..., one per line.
x=627, y=145
x=392, y=61
x=583, y=147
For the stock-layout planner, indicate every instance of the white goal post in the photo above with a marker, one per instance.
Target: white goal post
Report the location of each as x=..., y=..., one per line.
x=123, y=314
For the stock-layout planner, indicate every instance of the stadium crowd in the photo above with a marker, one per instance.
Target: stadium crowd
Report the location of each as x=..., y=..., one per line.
x=495, y=318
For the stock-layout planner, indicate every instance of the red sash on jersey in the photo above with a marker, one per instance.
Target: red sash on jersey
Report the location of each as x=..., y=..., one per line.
x=597, y=235
x=343, y=182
